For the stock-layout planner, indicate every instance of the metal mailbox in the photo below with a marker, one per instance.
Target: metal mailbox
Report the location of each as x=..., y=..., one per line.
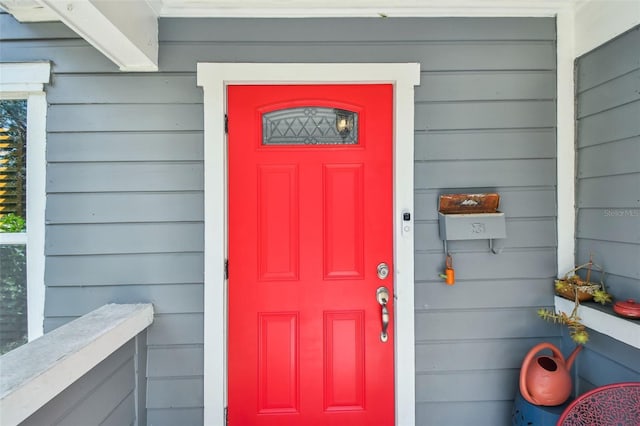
x=472, y=226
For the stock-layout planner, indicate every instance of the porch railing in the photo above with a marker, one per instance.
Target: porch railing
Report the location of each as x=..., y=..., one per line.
x=35, y=373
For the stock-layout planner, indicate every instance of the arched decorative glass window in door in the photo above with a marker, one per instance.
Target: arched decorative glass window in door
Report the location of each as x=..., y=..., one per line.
x=310, y=125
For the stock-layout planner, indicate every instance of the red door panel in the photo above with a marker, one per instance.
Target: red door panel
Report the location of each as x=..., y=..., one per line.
x=308, y=225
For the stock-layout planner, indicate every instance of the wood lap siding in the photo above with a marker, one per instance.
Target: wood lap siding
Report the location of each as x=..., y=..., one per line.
x=608, y=192
x=125, y=189
x=131, y=166
x=105, y=395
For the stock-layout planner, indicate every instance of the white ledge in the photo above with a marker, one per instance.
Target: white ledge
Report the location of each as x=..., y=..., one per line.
x=36, y=372
x=624, y=330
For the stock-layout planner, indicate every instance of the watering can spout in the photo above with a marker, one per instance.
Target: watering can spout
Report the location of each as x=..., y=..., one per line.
x=572, y=357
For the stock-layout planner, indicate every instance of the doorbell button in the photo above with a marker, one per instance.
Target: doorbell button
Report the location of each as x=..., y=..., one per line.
x=406, y=222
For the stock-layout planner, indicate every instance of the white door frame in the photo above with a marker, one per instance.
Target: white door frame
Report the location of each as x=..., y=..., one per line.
x=214, y=78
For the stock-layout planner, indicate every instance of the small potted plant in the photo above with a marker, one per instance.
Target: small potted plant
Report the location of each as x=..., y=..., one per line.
x=574, y=287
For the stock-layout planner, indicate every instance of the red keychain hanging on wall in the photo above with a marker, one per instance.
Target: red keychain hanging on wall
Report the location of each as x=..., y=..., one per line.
x=449, y=275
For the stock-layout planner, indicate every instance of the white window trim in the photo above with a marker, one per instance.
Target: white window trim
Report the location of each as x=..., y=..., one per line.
x=214, y=78
x=26, y=81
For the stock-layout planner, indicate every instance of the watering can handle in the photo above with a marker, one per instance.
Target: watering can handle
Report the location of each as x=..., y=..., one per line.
x=525, y=367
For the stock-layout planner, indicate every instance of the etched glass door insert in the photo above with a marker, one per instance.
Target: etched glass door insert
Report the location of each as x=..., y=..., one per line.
x=310, y=125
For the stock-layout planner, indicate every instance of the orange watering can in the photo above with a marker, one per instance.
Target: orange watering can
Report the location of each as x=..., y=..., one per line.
x=545, y=380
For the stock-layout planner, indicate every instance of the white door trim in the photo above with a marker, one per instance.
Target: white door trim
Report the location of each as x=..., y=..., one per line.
x=214, y=78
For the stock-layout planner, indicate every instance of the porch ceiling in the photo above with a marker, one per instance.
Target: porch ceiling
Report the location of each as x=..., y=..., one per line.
x=126, y=31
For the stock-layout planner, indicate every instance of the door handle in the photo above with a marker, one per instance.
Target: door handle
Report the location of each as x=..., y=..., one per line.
x=382, y=295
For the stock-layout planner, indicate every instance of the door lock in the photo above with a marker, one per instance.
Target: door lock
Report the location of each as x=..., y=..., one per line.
x=383, y=270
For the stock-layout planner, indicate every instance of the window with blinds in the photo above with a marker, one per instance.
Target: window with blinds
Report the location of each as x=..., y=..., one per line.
x=13, y=211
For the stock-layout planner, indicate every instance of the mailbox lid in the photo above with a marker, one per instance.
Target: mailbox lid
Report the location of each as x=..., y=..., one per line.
x=472, y=226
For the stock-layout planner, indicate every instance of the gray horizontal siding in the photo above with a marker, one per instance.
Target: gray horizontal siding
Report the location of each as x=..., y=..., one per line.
x=596, y=160
x=534, y=172
x=608, y=225
x=125, y=177
x=469, y=294
x=480, y=324
x=609, y=61
x=616, y=258
x=610, y=95
x=497, y=385
x=176, y=361
x=486, y=85
x=626, y=356
x=596, y=192
x=484, y=115
x=125, y=188
x=124, y=238
x=485, y=144
x=162, y=88
x=610, y=125
x=121, y=415
x=624, y=287
x=175, y=416
x=65, y=55
x=615, y=372
x=436, y=357
x=621, y=363
x=125, y=269
x=125, y=146
x=357, y=29
x=104, y=394
x=125, y=117
x=176, y=329
x=514, y=264
x=175, y=392
x=168, y=299
x=468, y=413
x=434, y=56
x=119, y=207
x=608, y=193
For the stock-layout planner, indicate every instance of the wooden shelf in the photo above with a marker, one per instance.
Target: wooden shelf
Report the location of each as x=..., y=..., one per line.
x=604, y=321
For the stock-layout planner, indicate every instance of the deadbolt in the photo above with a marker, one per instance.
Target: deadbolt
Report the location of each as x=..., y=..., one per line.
x=383, y=271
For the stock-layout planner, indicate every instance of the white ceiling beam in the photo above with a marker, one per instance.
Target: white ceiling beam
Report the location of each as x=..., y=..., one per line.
x=125, y=32
x=28, y=11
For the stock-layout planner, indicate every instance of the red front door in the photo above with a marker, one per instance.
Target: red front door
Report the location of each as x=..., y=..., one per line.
x=310, y=221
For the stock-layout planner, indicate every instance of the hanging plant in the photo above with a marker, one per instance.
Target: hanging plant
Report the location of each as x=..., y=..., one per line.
x=573, y=287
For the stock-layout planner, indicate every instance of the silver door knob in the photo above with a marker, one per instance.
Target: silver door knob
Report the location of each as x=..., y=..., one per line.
x=383, y=271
